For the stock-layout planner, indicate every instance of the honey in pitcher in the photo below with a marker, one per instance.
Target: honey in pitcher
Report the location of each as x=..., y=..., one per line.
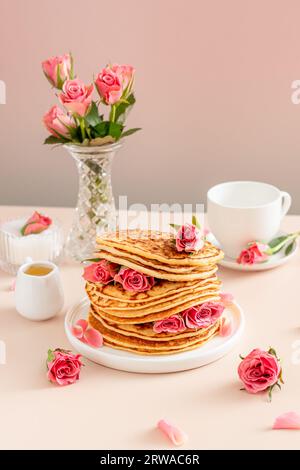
x=38, y=270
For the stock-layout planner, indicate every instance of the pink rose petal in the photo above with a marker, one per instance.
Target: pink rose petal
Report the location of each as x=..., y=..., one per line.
x=176, y=435
x=93, y=338
x=225, y=327
x=226, y=298
x=290, y=420
x=82, y=323
x=77, y=331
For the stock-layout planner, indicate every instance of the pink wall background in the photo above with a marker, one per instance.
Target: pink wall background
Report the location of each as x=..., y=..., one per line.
x=213, y=94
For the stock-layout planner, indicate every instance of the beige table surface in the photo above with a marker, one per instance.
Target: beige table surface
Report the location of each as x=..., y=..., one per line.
x=109, y=409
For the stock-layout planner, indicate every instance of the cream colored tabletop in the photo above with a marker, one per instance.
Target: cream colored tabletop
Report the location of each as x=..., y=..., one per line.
x=109, y=409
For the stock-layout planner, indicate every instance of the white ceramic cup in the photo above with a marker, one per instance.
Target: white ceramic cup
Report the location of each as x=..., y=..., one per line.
x=38, y=297
x=243, y=211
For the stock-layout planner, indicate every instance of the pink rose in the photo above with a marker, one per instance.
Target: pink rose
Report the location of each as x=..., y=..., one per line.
x=37, y=223
x=63, y=366
x=76, y=96
x=134, y=281
x=102, y=271
x=173, y=324
x=109, y=86
x=253, y=254
x=203, y=316
x=57, y=122
x=125, y=73
x=259, y=370
x=189, y=239
x=58, y=69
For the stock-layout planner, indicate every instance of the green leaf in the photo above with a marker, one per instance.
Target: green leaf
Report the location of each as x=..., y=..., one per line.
x=130, y=131
x=50, y=356
x=75, y=133
x=123, y=106
x=175, y=226
x=91, y=260
x=272, y=351
x=280, y=376
x=93, y=118
x=195, y=222
x=51, y=139
x=102, y=129
x=277, y=240
x=289, y=248
x=270, y=390
x=115, y=129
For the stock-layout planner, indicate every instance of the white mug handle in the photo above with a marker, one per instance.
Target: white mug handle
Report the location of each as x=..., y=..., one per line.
x=286, y=202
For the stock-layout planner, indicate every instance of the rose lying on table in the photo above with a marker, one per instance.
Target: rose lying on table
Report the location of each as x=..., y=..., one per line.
x=257, y=252
x=63, y=366
x=260, y=371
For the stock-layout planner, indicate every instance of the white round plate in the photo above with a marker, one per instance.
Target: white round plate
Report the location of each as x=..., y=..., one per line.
x=273, y=262
x=214, y=349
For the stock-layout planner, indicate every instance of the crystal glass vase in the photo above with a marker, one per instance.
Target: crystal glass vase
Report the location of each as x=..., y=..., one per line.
x=95, y=211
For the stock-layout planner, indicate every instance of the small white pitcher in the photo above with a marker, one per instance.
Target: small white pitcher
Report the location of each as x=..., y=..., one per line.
x=39, y=297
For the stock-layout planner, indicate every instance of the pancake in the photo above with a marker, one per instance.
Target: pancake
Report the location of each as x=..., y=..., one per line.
x=162, y=288
x=113, y=304
x=161, y=307
x=159, y=246
x=182, y=280
x=208, y=270
x=151, y=263
x=118, y=340
x=145, y=330
x=124, y=319
x=145, y=352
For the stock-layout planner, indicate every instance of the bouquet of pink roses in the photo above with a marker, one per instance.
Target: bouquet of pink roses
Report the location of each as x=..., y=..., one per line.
x=83, y=120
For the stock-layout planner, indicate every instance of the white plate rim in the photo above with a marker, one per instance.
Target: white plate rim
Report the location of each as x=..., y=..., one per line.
x=130, y=362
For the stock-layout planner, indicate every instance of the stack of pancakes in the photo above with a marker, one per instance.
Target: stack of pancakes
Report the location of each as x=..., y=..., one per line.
x=182, y=280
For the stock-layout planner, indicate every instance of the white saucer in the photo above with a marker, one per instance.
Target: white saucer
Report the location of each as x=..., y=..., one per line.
x=214, y=349
x=273, y=261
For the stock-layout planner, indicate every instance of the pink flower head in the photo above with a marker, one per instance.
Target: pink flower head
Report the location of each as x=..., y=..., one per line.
x=125, y=74
x=173, y=324
x=203, y=316
x=109, y=86
x=189, y=239
x=134, y=281
x=57, y=122
x=58, y=69
x=290, y=420
x=255, y=253
x=37, y=223
x=259, y=370
x=63, y=366
x=102, y=271
x=76, y=96
x=175, y=434
x=82, y=331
